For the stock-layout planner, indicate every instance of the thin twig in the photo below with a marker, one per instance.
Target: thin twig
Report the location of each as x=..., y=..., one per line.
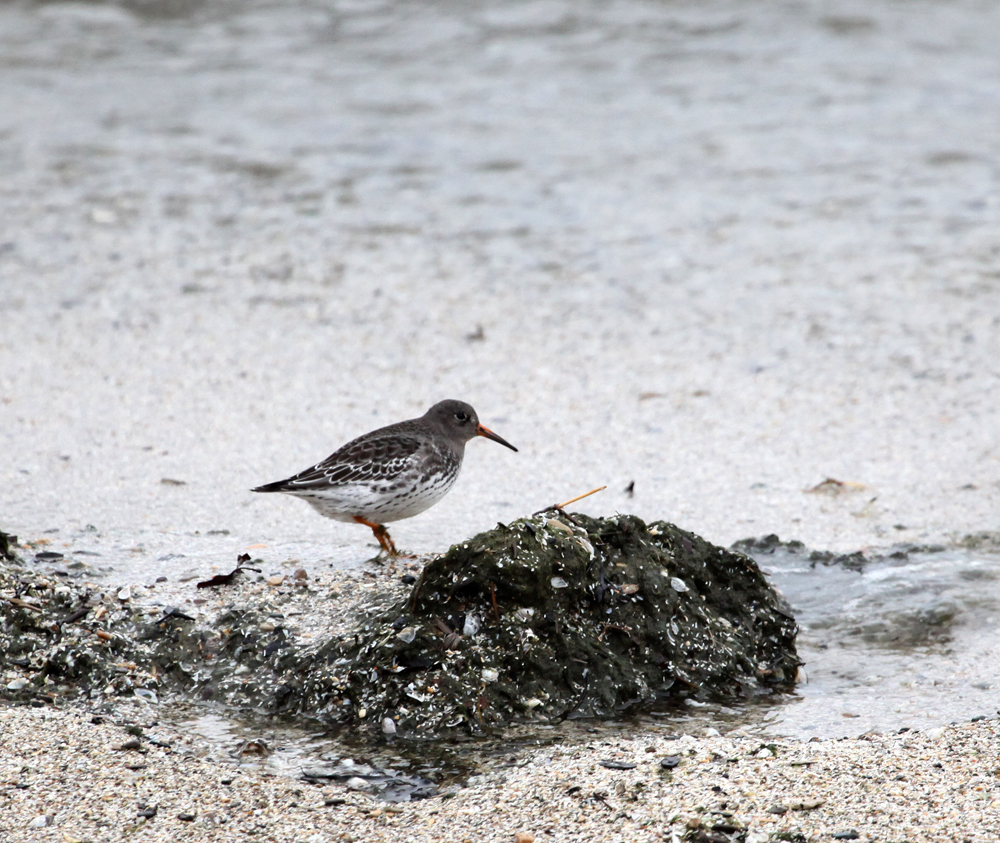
x=560, y=506
x=496, y=609
x=21, y=604
x=580, y=699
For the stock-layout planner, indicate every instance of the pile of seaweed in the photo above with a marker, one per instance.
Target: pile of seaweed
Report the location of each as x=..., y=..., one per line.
x=62, y=639
x=555, y=617
x=550, y=617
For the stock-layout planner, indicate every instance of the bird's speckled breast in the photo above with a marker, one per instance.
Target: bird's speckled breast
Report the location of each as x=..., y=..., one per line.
x=427, y=477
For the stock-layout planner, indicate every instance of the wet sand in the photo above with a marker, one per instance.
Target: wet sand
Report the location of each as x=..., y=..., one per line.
x=724, y=253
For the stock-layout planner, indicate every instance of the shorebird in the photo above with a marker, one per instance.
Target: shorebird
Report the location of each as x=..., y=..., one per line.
x=392, y=473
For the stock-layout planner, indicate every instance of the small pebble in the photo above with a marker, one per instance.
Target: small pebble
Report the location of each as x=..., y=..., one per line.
x=40, y=821
x=670, y=761
x=807, y=804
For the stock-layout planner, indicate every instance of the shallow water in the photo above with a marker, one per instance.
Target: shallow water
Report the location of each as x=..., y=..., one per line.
x=721, y=250
x=897, y=638
x=908, y=642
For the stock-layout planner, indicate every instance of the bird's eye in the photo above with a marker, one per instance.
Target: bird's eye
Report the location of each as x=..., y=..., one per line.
x=462, y=417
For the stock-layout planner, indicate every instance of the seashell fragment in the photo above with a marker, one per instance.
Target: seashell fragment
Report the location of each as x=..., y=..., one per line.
x=472, y=624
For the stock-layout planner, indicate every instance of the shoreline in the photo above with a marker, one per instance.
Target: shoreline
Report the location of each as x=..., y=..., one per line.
x=926, y=785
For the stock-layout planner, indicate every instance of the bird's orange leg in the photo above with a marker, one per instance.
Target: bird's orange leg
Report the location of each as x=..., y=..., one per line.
x=381, y=533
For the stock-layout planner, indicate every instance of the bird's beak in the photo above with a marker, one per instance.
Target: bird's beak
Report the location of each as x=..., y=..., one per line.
x=489, y=434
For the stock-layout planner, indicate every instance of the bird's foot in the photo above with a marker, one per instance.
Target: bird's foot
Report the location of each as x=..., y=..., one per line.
x=385, y=540
x=381, y=534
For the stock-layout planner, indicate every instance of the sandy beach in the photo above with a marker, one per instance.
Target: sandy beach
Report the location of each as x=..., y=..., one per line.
x=66, y=778
x=712, y=255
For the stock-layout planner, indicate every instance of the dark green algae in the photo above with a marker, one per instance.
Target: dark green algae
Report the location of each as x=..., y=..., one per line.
x=549, y=617
x=555, y=617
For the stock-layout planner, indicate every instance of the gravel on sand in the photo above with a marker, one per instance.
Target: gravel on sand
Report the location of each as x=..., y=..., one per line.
x=65, y=777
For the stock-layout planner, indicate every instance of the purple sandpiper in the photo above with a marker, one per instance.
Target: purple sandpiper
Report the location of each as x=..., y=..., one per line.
x=392, y=473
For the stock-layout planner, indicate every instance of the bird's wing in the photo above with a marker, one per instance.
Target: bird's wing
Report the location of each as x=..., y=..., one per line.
x=365, y=460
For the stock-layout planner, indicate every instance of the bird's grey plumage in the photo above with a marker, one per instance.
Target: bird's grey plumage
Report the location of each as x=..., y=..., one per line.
x=391, y=473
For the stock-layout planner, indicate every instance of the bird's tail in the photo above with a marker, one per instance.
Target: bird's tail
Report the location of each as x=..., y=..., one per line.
x=277, y=486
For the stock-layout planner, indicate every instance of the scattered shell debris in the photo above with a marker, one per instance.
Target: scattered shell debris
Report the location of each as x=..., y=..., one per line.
x=659, y=785
x=833, y=487
x=69, y=781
